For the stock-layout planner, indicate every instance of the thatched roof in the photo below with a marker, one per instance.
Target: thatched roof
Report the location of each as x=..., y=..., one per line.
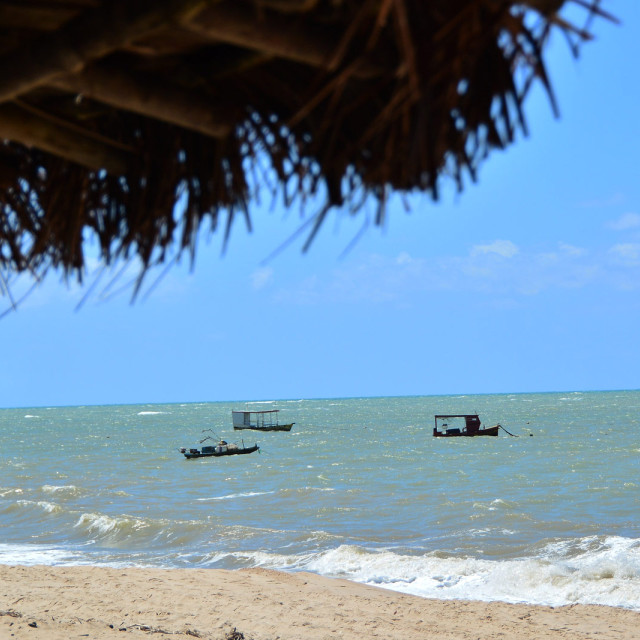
x=113, y=110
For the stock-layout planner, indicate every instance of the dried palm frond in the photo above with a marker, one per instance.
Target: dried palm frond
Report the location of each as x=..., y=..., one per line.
x=135, y=123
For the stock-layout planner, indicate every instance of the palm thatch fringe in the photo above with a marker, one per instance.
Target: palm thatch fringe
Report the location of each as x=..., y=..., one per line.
x=112, y=112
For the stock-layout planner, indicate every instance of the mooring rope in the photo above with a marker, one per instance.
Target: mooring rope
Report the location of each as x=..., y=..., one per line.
x=511, y=434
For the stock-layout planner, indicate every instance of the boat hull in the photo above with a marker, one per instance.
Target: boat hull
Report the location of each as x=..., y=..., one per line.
x=271, y=427
x=218, y=454
x=489, y=431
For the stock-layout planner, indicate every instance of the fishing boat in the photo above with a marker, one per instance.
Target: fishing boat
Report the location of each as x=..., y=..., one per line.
x=222, y=448
x=259, y=420
x=446, y=426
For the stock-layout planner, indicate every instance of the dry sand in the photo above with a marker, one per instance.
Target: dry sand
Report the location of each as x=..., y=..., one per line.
x=61, y=603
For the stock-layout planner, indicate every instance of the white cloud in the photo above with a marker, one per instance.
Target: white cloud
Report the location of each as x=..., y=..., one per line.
x=627, y=253
x=404, y=258
x=504, y=248
x=497, y=269
x=262, y=277
x=570, y=250
x=625, y=222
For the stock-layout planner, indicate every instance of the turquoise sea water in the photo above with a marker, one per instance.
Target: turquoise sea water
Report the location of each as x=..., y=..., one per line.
x=358, y=489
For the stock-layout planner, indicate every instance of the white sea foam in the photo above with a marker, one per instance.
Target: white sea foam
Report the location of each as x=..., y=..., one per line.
x=67, y=489
x=10, y=491
x=233, y=496
x=609, y=576
x=151, y=413
x=47, y=507
x=533, y=581
x=494, y=505
x=101, y=524
x=35, y=555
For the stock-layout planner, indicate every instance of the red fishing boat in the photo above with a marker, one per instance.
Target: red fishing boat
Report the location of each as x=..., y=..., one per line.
x=451, y=425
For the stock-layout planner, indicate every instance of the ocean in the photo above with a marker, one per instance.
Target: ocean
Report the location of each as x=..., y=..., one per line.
x=359, y=489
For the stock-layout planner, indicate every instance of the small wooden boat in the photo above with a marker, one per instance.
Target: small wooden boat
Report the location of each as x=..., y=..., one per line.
x=472, y=426
x=223, y=448
x=259, y=420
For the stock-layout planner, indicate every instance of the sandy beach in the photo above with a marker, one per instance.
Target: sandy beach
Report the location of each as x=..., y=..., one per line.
x=60, y=603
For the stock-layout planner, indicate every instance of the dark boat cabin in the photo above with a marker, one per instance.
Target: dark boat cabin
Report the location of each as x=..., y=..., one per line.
x=471, y=425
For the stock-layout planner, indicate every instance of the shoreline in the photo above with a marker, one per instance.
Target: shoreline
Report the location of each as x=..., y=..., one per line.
x=64, y=602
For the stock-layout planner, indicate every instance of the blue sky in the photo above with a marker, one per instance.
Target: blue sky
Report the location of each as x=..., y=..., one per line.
x=527, y=281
